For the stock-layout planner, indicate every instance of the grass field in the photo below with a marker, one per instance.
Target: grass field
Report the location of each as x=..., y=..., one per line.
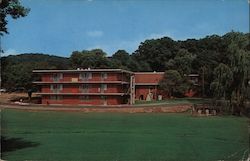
x=59, y=136
x=174, y=101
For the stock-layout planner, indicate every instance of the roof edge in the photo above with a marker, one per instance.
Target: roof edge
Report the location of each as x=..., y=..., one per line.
x=81, y=70
x=148, y=72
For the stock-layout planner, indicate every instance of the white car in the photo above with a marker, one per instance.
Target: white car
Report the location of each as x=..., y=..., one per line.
x=3, y=90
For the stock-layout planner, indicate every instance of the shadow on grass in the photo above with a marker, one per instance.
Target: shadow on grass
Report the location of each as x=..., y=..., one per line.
x=13, y=144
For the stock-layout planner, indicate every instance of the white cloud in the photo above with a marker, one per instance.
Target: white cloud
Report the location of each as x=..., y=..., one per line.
x=95, y=33
x=9, y=52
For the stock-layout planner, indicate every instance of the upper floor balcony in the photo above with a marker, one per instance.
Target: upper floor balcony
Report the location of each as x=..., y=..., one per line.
x=83, y=76
x=84, y=89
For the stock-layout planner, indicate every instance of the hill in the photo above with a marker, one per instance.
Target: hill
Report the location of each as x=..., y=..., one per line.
x=17, y=69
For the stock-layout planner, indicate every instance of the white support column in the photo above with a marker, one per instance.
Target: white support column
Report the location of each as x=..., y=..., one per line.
x=132, y=89
x=1, y=51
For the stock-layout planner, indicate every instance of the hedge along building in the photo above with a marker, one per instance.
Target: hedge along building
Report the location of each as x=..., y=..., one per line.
x=98, y=86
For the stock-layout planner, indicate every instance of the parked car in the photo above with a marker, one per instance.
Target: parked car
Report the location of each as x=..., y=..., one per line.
x=3, y=90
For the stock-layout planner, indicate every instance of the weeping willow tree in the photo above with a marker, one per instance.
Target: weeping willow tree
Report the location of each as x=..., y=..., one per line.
x=232, y=79
x=222, y=83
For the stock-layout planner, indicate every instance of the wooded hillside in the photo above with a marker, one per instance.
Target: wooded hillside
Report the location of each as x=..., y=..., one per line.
x=189, y=56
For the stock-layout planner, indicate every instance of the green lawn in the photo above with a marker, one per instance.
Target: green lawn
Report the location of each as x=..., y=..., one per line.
x=174, y=101
x=72, y=136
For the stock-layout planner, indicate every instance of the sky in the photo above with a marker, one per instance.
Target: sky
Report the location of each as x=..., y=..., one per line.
x=60, y=27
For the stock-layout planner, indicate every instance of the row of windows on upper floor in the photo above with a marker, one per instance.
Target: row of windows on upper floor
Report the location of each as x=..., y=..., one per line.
x=83, y=88
x=82, y=98
x=82, y=76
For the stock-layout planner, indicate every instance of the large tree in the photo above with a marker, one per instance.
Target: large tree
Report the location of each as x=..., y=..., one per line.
x=122, y=59
x=181, y=62
x=222, y=81
x=90, y=59
x=239, y=63
x=156, y=52
x=12, y=8
x=232, y=78
x=173, y=83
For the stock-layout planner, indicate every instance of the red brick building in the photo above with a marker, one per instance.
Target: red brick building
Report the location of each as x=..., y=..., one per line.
x=85, y=87
x=98, y=86
x=147, y=85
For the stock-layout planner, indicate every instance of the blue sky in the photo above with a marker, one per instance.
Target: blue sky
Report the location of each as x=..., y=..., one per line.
x=61, y=26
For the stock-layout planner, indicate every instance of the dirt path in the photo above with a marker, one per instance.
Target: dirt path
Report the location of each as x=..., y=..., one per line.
x=6, y=97
x=101, y=109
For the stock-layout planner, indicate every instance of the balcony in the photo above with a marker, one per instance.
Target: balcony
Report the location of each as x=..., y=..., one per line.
x=83, y=94
x=80, y=82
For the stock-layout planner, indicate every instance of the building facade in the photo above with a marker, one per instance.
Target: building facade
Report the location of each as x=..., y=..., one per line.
x=84, y=87
x=147, y=86
x=99, y=86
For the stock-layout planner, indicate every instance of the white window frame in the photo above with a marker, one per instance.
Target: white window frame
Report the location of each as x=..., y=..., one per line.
x=104, y=87
x=56, y=98
x=84, y=98
x=57, y=76
x=89, y=75
x=104, y=97
x=56, y=88
x=85, y=76
x=104, y=75
x=84, y=88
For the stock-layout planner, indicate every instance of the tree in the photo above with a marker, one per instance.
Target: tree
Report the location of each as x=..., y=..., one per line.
x=122, y=59
x=17, y=69
x=222, y=82
x=171, y=82
x=232, y=79
x=181, y=62
x=156, y=52
x=90, y=59
x=239, y=63
x=12, y=8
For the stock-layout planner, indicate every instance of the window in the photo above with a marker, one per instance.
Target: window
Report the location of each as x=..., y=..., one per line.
x=104, y=97
x=84, y=88
x=103, y=87
x=89, y=75
x=57, y=76
x=56, y=98
x=194, y=80
x=85, y=76
x=56, y=88
x=104, y=75
x=84, y=98
x=82, y=76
